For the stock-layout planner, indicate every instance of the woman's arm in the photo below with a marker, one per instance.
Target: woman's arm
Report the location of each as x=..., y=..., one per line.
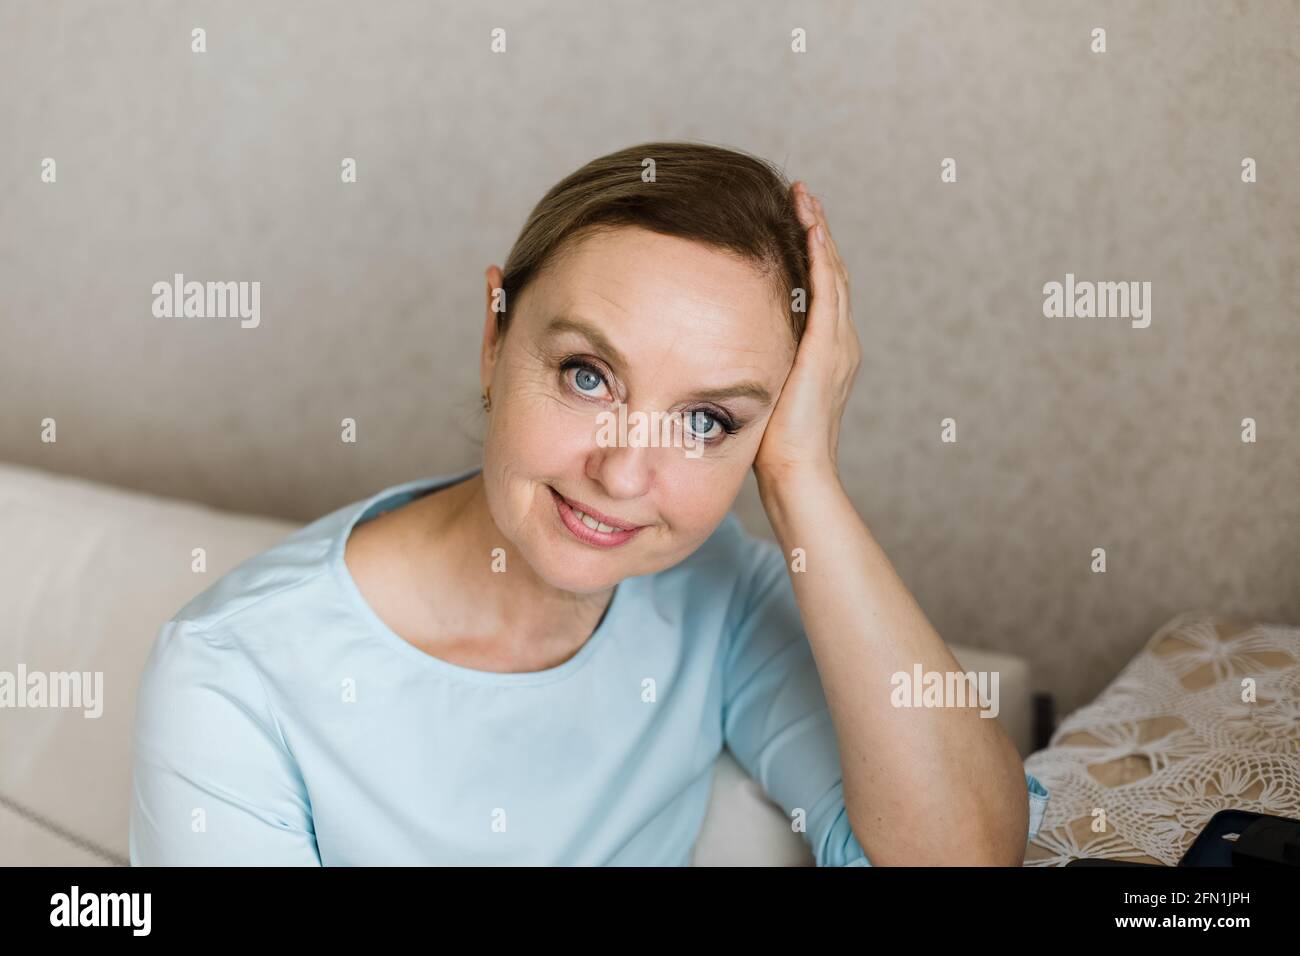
x=213, y=783
x=922, y=785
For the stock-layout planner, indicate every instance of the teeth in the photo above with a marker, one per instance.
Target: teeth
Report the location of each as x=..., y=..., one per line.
x=593, y=524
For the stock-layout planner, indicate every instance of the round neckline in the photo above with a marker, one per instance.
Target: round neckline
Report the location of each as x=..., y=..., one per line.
x=357, y=601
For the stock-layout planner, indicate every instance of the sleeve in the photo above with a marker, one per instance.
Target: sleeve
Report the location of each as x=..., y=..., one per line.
x=213, y=782
x=777, y=723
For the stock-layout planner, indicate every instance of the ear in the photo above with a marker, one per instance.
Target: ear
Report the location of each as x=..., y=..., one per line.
x=491, y=339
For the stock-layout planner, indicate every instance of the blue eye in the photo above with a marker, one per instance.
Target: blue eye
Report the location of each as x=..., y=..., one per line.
x=585, y=379
x=701, y=424
x=710, y=427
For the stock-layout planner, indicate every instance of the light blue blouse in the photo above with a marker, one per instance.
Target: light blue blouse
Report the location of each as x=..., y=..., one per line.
x=281, y=722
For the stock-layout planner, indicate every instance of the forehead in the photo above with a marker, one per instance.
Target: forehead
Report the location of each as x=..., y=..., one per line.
x=656, y=294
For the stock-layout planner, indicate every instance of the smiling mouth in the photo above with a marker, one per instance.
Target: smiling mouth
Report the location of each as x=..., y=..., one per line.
x=600, y=530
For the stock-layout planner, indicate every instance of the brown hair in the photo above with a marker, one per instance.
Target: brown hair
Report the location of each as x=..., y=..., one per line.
x=726, y=199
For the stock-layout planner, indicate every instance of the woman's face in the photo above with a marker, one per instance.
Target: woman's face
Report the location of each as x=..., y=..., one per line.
x=663, y=325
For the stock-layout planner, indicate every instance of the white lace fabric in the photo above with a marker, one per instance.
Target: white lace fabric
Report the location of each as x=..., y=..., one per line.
x=1175, y=738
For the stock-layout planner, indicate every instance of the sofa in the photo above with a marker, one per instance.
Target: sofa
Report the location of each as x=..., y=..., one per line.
x=89, y=572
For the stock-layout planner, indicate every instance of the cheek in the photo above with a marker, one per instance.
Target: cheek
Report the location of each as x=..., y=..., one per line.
x=532, y=440
x=694, y=495
x=541, y=439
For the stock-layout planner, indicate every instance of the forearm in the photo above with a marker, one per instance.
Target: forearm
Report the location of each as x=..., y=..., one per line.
x=922, y=785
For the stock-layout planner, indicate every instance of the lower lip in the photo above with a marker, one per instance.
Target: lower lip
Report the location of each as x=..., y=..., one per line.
x=597, y=539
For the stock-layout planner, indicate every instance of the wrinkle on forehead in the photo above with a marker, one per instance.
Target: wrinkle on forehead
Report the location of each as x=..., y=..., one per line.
x=727, y=299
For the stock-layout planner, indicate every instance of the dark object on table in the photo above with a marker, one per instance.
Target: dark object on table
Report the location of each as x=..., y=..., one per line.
x=1268, y=842
x=1044, y=720
x=1245, y=838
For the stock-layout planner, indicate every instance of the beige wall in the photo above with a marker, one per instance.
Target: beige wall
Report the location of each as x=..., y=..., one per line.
x=1073, y=433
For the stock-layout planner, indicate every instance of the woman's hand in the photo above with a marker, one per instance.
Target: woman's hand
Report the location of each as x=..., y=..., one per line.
x=802, y=435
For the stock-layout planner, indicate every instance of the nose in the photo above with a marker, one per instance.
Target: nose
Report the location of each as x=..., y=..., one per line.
x=624, y=472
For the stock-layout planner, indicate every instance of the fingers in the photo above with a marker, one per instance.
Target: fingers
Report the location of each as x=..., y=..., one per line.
x=825, y=256
x=817, y=216
x=840, y=270
x=804, y=207
x=830, y=280
x=811, y=217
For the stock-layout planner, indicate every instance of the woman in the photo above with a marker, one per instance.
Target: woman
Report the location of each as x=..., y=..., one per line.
x=538, y=661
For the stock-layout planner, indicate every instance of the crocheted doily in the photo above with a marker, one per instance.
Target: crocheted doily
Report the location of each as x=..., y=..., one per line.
x=1175, y=738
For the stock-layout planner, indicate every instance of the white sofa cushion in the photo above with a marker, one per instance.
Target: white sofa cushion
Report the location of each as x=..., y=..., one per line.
x=88, y=574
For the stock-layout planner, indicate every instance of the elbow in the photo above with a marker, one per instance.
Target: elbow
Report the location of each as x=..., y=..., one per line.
x=1000, y=830
x=985, y=829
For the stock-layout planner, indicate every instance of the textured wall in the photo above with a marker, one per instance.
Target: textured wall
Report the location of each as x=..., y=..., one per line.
x=1072, y=433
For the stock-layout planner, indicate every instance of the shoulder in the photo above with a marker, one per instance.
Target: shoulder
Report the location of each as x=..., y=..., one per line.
x=263, y=587
x=220, y=647
x=300, y=587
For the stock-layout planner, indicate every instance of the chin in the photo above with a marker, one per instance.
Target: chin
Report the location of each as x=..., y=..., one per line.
x=565, y=577
x=569, y=555
x=570, y=565
x=564, y=566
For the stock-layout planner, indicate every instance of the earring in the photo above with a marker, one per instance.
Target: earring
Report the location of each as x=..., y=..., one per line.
x=487, y=399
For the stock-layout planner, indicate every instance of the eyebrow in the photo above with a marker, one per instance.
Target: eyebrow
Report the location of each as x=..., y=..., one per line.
x=598, y=339
x=592, y=334
x=739, y=390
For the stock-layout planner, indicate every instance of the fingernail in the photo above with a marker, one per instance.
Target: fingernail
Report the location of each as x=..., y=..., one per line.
x=820, y=235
